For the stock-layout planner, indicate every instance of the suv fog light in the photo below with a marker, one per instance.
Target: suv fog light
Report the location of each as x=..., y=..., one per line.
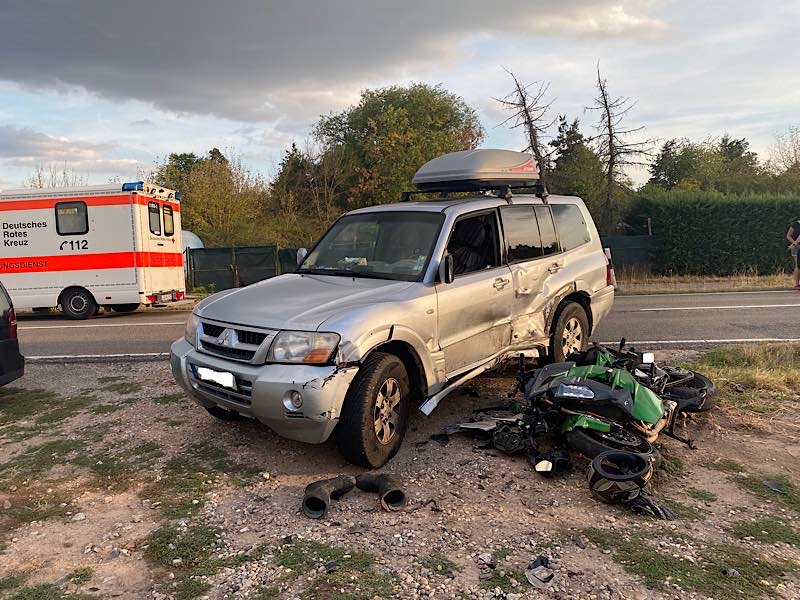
x=293, y=400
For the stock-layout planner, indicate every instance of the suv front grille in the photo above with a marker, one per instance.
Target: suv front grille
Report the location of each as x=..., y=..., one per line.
x=236, y=342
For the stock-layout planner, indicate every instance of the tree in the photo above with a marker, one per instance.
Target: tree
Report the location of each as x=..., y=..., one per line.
x=53, y=176
x=785, y=152
x=224, y=202
x=529, y=111
x=390, y=133
x=613, y=147
x=576, y=170
x=174, y=174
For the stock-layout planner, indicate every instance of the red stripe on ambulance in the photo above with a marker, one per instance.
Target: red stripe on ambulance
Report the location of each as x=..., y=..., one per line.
x=90, y=262
x=49, y=203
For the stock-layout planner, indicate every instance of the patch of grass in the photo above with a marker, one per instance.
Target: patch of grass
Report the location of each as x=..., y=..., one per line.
x=17, y=404
x=105, y=409
x=188, y=588
x=754, y=379
x=754, y=483
x=725, y=465
x=81, y=575
x=767, y=530
x=672, y=465
x=38, y=459
x=111, y=473
x=45, y=591
x=147, y=448
x=14, y=580
x=305, y=555
x=170, y=398
x=636, y=554
x=684, y=511
x=363, y=585
x=438, y=564
x=703, y=495
x=265, y=593
x=122, y=387
x=194, y=547
x=64, y=408
x=505, y=579
x=32, y=503
x=501, y=554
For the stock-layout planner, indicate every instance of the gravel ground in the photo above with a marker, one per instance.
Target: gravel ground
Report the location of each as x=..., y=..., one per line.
x=141, y=494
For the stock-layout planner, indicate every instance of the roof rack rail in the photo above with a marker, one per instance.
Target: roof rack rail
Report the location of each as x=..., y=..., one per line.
x=504, y=190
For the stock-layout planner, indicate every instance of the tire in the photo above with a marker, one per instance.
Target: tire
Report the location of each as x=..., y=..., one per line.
x=78, y=303
x=125, y=308
x=696, y=395
x=223, y=414
x=590, y=443
x=369, y=435
x=570, y=332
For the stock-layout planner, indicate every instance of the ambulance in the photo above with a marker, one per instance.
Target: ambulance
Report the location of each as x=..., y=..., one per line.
x=81, y=248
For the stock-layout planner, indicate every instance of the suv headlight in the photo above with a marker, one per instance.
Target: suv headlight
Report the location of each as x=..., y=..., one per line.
x=583, y=392
x=303, y=347
x=190, y=332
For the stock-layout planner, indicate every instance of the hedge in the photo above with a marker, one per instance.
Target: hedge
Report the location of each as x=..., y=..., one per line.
x=708, y=233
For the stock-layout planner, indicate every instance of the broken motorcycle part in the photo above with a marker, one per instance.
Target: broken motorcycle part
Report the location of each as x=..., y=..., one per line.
x=618, y=477
x=646, y=503
x=590, y=443
x=539, y=574
x=388, y=487
x=318, y=495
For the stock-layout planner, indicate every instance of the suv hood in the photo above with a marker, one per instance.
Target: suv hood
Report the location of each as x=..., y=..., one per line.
x=293, y=301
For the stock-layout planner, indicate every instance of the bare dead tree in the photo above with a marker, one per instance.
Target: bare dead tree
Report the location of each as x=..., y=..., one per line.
x=615, y=151
x=53, y=176
x=529, y=110
x=785, y=152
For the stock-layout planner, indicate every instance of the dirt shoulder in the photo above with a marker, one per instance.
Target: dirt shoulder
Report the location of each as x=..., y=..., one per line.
x=112, y=484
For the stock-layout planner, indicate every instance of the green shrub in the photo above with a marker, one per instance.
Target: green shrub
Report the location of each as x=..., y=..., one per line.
x=708, y=233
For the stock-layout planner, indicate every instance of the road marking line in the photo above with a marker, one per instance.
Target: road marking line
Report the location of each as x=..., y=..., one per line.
x=96, y=356
x=725, y=341
x=740, y=306
x=620, y=296
x=93, y=325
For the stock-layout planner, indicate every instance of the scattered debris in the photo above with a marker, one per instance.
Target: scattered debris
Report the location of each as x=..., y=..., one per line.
x=539, y=574
x=318, y=494
x=775, y=486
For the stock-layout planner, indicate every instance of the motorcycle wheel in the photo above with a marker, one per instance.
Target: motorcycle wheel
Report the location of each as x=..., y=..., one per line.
x=696, y=395
x=591, y=442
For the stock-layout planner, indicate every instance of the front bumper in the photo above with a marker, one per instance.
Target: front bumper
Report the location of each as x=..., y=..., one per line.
x=262, y=389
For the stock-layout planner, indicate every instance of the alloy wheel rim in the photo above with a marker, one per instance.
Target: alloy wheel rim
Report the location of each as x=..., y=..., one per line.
x=77, y=303
x=386, y=415
x=572, y=338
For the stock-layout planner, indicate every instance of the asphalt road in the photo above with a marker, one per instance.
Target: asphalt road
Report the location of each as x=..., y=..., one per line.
x=658, y=321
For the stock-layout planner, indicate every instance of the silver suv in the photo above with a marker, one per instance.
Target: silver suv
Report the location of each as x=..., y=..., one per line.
x=399, y=304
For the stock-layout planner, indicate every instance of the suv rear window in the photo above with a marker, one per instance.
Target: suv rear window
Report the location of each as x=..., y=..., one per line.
x=571, y=226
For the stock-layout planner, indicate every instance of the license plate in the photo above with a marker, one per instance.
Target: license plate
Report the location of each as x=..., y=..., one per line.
x=166, y=298
x=219, y=377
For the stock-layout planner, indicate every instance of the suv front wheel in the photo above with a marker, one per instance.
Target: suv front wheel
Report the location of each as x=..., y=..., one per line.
x=375, y=412
x=570, y=332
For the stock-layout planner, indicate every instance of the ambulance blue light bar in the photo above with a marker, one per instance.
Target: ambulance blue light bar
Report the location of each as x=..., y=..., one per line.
x=133, y=186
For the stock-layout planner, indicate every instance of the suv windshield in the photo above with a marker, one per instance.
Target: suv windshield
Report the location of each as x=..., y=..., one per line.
x=384, y=245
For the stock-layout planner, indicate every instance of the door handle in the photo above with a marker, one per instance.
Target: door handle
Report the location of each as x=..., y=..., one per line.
x=500, y=283
x=555, y=268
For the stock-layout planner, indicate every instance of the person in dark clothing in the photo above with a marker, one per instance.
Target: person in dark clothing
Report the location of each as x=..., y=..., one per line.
x=793, y=236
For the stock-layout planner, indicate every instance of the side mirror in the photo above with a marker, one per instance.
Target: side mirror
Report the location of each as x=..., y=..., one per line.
x=301, y=255
x=447, y=269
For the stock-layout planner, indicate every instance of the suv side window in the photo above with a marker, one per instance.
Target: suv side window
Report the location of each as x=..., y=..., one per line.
x=474, y=244
x=521, y=232
x=547, y=230
x=571, y=226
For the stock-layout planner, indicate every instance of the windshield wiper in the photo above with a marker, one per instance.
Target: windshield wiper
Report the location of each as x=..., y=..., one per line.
x=346, y=273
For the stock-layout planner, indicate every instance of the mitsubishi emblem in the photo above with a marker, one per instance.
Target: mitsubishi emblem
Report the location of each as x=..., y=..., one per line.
x=227, y=338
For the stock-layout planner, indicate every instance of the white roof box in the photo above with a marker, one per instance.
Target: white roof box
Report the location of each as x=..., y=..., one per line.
x=477, y=169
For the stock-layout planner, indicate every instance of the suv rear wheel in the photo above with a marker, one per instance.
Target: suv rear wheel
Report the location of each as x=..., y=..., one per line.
x=375, y=412
x=570, y=332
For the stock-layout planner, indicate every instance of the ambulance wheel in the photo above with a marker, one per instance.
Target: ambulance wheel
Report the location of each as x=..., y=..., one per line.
x=78, y=303
x=125, y=308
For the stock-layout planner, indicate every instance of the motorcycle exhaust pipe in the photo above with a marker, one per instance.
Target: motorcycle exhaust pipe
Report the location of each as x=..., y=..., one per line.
x=318, y=495
x=389, y=489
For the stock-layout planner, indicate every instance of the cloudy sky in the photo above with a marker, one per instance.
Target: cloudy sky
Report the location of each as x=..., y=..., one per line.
x=109, y=87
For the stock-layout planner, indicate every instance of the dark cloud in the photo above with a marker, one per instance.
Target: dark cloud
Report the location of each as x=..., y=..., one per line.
x=256, y=59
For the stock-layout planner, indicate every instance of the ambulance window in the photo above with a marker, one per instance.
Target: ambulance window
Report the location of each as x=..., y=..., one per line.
x=155, y=218
x=72, y=218
x=169, y=223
